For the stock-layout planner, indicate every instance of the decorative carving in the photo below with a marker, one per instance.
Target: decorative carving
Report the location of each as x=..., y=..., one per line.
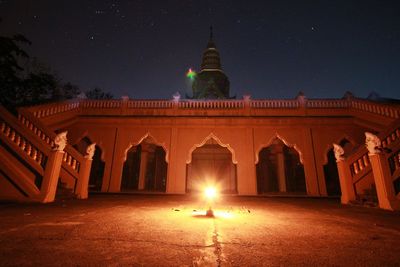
x=176, y=97
x=339, y=152
x=301, y=98
x=373, y=143
x=90, y=151
x=247, y=98
x=60, y=141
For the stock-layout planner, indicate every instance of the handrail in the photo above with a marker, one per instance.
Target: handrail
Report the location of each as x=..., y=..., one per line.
x=275, y=103
x=23, y=142
x=387, y=110
x=71, y=157
x=46, y=110
x=358, y=161
x=382, y=109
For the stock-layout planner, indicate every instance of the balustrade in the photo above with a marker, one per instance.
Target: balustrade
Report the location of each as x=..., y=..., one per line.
x=23, y=144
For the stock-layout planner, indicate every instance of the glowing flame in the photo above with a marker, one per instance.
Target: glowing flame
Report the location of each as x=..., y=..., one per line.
x=210, y=193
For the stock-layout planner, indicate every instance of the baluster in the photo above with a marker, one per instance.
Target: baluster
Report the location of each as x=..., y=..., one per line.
x=12, y=135
x=74, y=164
x=365, y=160
x=17, y=139
x=7, y=131
x=34, y=154
x=360, y=164
x=28, y=149
x=355, y=167
x=23, y=144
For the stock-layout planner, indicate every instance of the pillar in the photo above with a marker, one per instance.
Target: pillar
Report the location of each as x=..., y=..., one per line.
x=346, y=182
x=82, y=184
x=144, y=156
x=383, y=182
x=382, y=175
x=280, y=157
x=51, y=176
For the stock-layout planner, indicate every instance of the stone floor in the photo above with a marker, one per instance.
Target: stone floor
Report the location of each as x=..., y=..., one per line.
x=151, y=230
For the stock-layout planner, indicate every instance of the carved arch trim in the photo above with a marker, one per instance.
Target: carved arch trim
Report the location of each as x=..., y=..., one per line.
x=219, y=142
x=99, y=144
x=336, y=141
x=153, y=141
x=285, y=142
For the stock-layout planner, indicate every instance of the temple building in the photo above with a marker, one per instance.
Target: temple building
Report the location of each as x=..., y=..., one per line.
x=346, y=147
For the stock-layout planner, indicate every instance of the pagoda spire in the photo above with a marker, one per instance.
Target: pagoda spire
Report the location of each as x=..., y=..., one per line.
x=211, y=82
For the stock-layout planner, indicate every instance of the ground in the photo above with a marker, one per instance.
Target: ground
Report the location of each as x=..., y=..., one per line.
x=143, y=230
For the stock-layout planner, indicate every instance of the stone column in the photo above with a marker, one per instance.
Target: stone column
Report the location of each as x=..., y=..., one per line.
x=345, y=179
x=52, y=169
x=144, y=156
x=82, y=185
x=382, y=175
x=51, y=176
x=280, y=158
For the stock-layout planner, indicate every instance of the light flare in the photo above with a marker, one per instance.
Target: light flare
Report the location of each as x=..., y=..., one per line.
x=191, y=74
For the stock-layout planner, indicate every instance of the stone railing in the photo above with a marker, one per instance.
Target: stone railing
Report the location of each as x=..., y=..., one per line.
x=381, y=109
x=279, y=103
x=211, y=104
x=327, y=103
x=25, y=147
x=153, y=104
x=106, y=104
x=254, y=106
x=28, y=150
x=72, y=159
x=51, y=109
x=358, y=162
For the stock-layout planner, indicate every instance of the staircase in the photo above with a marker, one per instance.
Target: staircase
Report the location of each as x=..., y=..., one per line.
x=31, y=165
x=374, y=183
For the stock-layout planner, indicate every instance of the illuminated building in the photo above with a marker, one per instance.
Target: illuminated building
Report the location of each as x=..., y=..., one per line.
x=246, y=146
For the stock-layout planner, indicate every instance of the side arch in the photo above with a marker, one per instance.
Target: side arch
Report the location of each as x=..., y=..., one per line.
x=336, y=141
x=284, y=140
x=154, y=141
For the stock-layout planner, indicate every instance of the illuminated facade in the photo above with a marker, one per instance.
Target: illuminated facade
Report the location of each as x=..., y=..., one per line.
x=245, y=146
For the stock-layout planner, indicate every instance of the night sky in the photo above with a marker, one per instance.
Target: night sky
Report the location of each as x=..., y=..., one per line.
x=269, y=49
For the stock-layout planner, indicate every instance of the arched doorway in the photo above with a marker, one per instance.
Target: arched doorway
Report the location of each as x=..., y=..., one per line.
x=145, y=168
x=331, y=172
x=279, y=170
x=97, y=169
x=211, y=164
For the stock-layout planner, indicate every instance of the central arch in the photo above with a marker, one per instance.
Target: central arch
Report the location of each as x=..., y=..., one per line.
x=211, y=163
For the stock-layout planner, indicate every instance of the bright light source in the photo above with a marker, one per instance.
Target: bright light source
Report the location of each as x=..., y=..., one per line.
x=210, y=193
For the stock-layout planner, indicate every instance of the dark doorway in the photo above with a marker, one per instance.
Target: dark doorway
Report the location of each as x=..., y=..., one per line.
x=279, y=170
x=145, y=168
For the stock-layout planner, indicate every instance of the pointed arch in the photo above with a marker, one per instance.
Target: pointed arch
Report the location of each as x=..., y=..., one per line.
x=278, y=136
x=98, y=144
x=336, y=141
x=219, y=142
x=154, y=141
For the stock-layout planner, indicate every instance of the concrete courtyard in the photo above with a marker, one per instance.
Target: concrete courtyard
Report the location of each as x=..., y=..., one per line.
x=154, y=230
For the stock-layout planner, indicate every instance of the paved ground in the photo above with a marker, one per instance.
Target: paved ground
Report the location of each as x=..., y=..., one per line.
x=132, y=230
